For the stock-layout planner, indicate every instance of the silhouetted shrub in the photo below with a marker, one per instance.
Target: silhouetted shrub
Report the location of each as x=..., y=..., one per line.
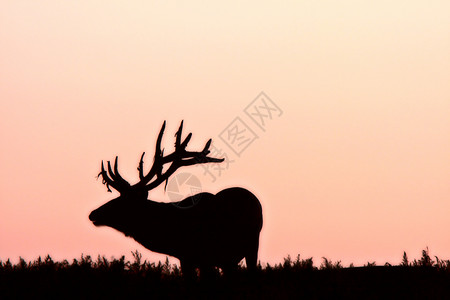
x=118, y=278
x=426, y=260
x=328, y=264
x=405, y=262
x=370, y=264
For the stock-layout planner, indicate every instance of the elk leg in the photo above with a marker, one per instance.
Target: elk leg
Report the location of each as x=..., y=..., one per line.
x=207, y=272
x=188, y=270
x=229, y=270
x=251, y=257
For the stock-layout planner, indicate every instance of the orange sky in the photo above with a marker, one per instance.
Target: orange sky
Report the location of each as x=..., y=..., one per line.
x=357, y=168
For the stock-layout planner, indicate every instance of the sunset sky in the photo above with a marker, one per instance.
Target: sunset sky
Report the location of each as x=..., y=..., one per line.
x=354, y=166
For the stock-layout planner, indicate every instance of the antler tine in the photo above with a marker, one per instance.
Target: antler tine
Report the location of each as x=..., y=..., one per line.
x=178, y=135
x=201, y=157
x=181, y=147
x=117, y=174
x=158, y=141
x=105, y=178
x=205, y=150
x=111, y=172
x=113, y=178
x=157, y=163
x=141, y=167
x=159, y=155
x=201, y=160
x=186, y=141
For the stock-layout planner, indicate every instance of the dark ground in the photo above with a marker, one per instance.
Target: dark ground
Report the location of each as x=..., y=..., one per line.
x=88, y=279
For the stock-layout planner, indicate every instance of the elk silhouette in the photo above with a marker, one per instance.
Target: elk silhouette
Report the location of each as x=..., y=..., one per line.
x=218, y=231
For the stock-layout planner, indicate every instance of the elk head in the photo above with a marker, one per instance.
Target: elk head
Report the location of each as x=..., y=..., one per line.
x=122, y=210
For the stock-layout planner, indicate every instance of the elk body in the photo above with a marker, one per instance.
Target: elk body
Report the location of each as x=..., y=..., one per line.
x=217, y=231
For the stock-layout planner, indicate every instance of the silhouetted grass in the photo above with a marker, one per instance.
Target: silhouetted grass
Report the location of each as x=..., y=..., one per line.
x=117, y=278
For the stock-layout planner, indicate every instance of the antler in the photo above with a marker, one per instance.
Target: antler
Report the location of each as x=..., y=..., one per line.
x=114, y=179
x=179, y=158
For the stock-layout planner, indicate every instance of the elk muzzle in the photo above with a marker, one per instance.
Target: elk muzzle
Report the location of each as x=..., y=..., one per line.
x=93, y=216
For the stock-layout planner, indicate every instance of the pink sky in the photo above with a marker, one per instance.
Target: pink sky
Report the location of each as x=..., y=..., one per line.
x=357, y=168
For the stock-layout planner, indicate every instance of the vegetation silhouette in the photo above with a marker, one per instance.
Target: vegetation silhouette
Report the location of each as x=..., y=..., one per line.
x=86, y=278
x=218, y=231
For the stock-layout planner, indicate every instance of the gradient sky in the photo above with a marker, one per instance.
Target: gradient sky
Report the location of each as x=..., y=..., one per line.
x=357, y=168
